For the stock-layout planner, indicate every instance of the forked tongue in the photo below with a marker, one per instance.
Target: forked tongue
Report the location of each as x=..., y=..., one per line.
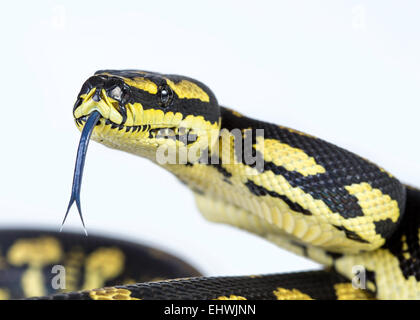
x=80, y=163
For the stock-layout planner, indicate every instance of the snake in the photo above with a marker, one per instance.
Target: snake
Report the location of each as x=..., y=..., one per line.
x=298, y=191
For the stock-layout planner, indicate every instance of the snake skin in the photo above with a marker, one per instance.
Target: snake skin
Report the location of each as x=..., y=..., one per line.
x=299, y=192
x=309, y=196
x=320, y=285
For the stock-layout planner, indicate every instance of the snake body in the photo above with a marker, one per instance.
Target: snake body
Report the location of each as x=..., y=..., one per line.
x=298, y=191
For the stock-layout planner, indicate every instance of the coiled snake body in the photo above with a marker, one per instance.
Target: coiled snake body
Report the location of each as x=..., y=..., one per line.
x=300, y=192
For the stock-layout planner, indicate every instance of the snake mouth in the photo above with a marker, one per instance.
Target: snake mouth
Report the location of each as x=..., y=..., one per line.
x=156, y=131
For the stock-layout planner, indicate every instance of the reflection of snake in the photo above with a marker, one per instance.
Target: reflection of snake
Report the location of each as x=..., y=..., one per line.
x=300, y=192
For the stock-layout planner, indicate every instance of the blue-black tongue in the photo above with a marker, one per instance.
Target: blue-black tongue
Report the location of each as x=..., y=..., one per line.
x=80, y=163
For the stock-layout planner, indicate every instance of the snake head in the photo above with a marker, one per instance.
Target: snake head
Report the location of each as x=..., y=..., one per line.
x=142, y=111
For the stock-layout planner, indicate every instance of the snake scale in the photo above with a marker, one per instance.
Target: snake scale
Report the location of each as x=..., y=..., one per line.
x=298, y=191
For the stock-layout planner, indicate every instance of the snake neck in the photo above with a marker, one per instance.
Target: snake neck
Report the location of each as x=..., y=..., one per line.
x=312, y=191
x=285, y=204
x=312, y=198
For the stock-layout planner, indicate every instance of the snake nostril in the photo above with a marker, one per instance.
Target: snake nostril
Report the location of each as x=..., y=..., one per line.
x=96, y=97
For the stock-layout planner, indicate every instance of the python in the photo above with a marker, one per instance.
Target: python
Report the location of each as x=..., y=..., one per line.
x=311, y=197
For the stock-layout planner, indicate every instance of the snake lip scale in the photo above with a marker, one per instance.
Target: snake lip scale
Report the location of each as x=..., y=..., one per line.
x=175, y=133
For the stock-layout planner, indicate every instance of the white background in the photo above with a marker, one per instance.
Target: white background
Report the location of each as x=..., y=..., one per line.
x=346, y=71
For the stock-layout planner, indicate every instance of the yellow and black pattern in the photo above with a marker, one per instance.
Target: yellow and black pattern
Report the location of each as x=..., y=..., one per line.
x=309, y=196
x=298, y=191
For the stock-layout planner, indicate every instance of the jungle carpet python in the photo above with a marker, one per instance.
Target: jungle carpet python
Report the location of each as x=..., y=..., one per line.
x=300, y=192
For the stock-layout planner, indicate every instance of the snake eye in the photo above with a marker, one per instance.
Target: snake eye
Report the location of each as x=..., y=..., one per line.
x=165, y=94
